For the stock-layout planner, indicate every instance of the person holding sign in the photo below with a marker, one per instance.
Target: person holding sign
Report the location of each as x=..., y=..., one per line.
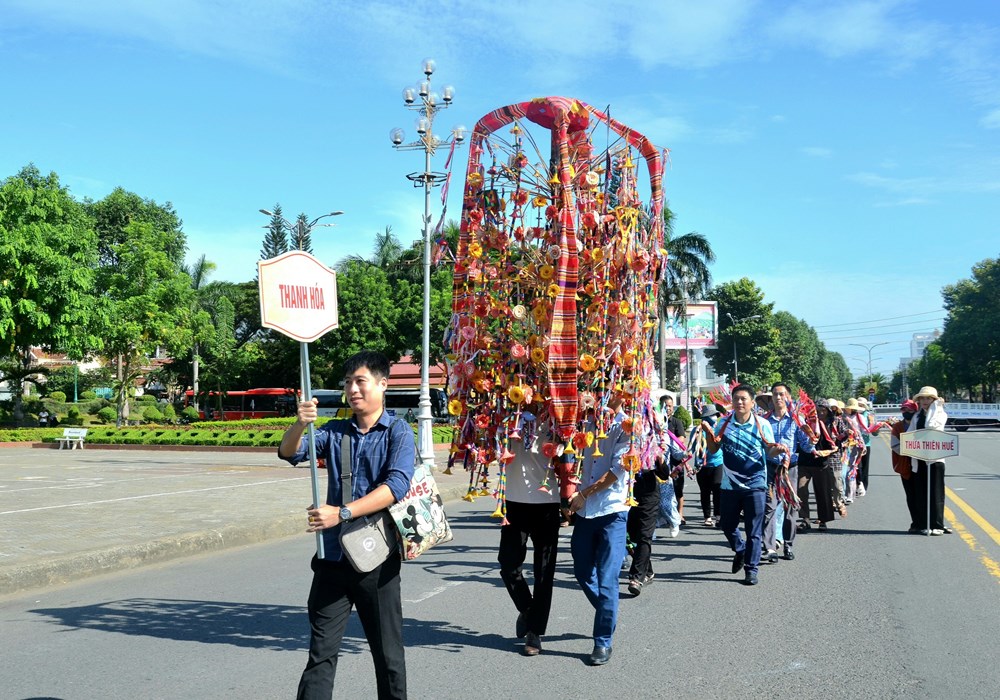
x=929, y=484
x=383, y=455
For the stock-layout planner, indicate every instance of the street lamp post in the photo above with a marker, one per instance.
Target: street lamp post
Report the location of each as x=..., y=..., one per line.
x=736, y=321
x=869, y=348
x=426, y=103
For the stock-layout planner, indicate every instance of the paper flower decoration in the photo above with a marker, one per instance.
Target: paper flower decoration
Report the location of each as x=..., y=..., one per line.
x=516, y=394
x=588, y=363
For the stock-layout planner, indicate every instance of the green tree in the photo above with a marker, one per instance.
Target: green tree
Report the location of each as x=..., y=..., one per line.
x=369, y=317
x=201, y=324
x=301, y=235
x=745, y=323
x=971, y=339
x=276, y=238
x=145, y=303
x=115, y=213
x=798, y=350
x=47, y=253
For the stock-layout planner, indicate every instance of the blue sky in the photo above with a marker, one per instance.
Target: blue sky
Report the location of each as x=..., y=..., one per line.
x=844, y=155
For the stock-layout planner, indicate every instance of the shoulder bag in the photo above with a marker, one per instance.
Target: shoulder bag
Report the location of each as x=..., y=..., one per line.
x=367, y=541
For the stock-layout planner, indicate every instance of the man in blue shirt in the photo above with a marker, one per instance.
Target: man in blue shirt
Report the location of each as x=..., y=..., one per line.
x=786, y=432
x=746, y=442
x=383, y=454
x=598, y=543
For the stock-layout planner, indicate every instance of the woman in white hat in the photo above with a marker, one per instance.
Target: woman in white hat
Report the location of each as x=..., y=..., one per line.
x=929, y=485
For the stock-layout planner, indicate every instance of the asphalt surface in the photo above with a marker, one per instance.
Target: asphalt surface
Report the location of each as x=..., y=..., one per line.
x=66, y=515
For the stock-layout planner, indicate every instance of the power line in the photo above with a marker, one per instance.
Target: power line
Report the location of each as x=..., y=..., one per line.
x=877, y=320
x=917, y=329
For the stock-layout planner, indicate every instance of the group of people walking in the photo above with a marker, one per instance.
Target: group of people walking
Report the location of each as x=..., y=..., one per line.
x=753, y=467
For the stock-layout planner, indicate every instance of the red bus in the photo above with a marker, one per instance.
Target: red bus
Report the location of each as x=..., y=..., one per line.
x=246, y=404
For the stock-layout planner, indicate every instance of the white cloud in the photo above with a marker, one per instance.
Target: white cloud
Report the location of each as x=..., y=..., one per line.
x=991, y=120
x=816, y=151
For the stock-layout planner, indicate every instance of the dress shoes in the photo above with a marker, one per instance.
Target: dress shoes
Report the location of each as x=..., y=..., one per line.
x=737, y=562
x=600, y=656
x=532, y=645
x=789, y=554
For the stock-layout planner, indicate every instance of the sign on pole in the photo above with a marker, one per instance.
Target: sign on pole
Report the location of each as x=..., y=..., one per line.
x=928, y=444
x=298, y=298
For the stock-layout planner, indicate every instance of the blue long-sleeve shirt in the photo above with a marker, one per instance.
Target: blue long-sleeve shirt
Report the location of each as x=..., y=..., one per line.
x=611, y=499
x=385, y=454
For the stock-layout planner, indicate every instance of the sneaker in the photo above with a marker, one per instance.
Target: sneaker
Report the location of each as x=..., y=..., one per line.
x=848, y=501
x=861, y=490
x=750, y=579
x=634, y=587
x=675, y=530
x=647, y=579
x=772, y=556
x=789, y=554
x=937, y=531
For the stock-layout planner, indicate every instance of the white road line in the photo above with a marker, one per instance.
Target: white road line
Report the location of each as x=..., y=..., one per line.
x=434, y=591
x=148, y=495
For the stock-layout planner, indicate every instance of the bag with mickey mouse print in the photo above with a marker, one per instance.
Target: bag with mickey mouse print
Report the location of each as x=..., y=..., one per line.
x=419, y=515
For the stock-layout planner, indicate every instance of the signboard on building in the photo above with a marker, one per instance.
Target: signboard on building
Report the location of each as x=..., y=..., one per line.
x=298, y=296
x=699, y=331
x=928, y=445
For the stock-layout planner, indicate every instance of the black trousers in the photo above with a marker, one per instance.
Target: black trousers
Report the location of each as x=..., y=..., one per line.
x=641, y=523
x=710, y=483
x=336, y=588
x=862, y=476
x=912, y=506
x=538, y=522
x=919, y=479
x=822, y=481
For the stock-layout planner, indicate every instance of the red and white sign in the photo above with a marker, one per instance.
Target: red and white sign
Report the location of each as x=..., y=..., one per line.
x=928, y=445
x=298, y=296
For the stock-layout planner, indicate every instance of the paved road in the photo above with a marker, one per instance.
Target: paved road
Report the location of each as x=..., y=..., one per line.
x=865, y=611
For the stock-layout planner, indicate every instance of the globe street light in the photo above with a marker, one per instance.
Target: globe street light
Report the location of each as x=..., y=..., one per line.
x=426, y=104
x=736, y=321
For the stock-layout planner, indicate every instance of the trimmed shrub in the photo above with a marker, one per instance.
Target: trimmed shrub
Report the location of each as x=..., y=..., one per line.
x=684, y=416
x=107, y=415
x=169, y=414
x=152, y=414
x=58, y=396
x=146, y=398
x=88, y=395
x=190, y=414
x=73, y=416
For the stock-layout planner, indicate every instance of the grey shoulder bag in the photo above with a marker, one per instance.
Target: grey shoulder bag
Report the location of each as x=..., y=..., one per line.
x=369, y=540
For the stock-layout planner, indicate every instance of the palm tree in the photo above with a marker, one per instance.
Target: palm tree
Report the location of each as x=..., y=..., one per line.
x=386, y=253
x=198, y=273
x=685, y=275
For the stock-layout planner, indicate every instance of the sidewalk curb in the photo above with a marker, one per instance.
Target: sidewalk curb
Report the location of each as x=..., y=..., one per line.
x=76, y=567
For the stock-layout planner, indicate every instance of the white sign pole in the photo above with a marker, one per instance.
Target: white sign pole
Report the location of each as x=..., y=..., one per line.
x=311, y=441
x=928, y=445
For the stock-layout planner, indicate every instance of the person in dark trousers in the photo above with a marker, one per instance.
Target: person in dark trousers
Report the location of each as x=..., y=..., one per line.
x=784, y=467
x=746, y=441
x=532, y=513
x=383, y=454
x=708, y=469
x=929, y=477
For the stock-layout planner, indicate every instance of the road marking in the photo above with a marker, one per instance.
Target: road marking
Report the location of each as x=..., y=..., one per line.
x=992, y=566
x=434, y=591
x=148, y=495
x=976, y=517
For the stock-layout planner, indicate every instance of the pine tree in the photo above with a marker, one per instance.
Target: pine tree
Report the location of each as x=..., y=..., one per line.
x=276, y=238
x=301, y=236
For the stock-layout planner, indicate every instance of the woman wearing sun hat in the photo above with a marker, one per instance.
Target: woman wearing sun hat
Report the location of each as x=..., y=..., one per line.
x=929, y=485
